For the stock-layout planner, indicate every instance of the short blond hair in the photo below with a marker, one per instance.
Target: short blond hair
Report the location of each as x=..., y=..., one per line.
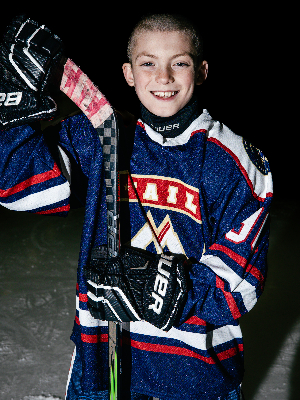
x=167, y=23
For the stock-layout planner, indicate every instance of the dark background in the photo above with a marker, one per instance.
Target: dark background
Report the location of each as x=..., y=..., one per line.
x=249, y=48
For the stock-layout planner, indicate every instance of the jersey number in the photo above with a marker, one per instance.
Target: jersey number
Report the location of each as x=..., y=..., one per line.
x=246, y=228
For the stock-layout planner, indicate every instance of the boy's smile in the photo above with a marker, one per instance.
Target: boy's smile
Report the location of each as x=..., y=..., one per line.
x=163, y=71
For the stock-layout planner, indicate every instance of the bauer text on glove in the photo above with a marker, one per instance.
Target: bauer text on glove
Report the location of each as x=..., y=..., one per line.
x=137, y=285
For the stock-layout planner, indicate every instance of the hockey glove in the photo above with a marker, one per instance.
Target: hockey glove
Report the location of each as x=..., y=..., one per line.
x=137, y=285
x=28, y=55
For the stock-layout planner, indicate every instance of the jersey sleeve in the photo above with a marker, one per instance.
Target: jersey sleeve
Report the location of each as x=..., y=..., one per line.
x=30, y=179
x=236, y=197
x=38, y=171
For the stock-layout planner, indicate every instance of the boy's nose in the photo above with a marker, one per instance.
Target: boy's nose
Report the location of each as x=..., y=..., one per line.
x=164, y=76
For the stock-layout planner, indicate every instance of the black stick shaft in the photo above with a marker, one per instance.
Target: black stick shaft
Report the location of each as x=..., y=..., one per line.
x=108, y=134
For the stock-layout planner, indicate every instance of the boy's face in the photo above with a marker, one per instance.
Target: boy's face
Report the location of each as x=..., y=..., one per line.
x=163, y=71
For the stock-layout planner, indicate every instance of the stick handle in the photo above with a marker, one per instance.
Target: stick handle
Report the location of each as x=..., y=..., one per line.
x=79, y=88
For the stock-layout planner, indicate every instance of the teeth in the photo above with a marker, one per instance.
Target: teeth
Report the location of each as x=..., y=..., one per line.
x=164, y=94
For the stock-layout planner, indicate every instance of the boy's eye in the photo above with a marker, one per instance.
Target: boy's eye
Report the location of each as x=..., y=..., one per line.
x=182, y=64
x=147, y=64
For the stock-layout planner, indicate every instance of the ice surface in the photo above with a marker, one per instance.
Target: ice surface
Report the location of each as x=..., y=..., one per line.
x=38, y=262
x=41, y=398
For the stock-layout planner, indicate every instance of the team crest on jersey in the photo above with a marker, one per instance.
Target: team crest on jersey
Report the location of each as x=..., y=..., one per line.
x=257, y=157
x=163, y=236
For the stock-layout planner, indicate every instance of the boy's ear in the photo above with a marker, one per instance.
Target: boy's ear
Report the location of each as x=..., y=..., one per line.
x=202, y=72
x=128, y=74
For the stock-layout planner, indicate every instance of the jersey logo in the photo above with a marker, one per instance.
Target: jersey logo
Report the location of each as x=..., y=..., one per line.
x=163, y=236
x=161, y=192
x=10, y=99
x=257, y=158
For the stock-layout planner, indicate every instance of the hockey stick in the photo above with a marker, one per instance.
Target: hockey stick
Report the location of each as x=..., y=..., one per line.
x=78, y=87
x=108, y=134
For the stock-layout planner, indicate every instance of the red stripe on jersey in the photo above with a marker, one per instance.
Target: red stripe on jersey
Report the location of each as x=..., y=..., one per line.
x=196, y=321
x=224, y=355
x=55, y=210
x=229, y=298
x=257, y=274
x=39, y=178
x=101, y=338
x=162, y=348
x=83, y=297
x=165, y=349
x=242, y=261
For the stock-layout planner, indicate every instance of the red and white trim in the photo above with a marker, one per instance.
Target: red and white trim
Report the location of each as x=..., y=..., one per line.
x=84, y=316
x=196, y=340
x=237, y=284
x=260, y=184
x=40, y=199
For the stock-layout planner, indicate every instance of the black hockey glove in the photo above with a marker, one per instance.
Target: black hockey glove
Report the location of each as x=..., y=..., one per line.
x=28, y=55
x=137, y=285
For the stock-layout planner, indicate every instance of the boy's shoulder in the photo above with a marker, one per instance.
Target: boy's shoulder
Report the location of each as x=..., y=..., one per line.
x=229, y=152
x=236, y=146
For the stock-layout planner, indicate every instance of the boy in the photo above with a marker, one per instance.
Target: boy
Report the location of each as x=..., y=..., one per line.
x=191, y=188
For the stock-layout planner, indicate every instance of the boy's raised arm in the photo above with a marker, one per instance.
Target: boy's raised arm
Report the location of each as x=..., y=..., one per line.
x=35, y=166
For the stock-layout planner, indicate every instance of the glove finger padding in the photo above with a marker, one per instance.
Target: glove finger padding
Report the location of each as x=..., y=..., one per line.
x=137, y=285
x=109, y=297
x=28, y=55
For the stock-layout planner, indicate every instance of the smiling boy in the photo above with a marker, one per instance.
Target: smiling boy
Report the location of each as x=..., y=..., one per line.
x=164, y=70
x=193, y=190
x=205, y=193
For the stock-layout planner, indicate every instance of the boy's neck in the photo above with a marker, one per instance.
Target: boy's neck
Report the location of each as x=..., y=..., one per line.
x=170, y=127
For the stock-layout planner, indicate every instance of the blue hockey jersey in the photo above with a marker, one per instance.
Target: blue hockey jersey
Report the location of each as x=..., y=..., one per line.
x=205, y=194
